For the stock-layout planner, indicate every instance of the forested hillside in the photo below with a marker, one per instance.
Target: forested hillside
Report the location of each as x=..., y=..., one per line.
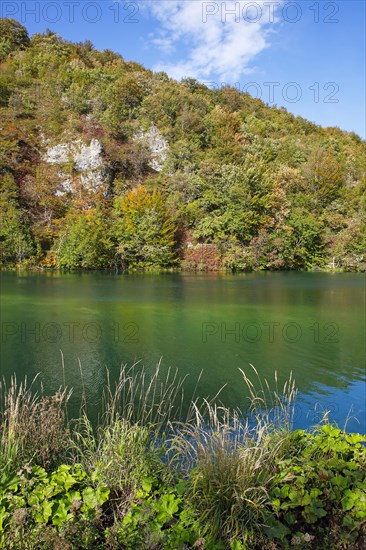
x=104, y=164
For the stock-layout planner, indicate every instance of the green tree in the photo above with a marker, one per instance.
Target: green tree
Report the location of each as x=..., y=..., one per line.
x=84, y=242
x=347, y=248
x=13, y=36
x=144, y=230
x=299, y=245
x=16, y=241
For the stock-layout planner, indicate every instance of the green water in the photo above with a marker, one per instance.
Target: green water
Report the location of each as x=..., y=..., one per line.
x=312, y=324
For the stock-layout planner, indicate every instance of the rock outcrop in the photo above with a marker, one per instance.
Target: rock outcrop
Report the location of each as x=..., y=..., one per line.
x=84, y=162
x=157, y=146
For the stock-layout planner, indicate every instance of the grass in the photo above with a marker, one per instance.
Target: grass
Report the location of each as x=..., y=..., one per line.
x=231, y=459
x=206, y=481
x=33, y=427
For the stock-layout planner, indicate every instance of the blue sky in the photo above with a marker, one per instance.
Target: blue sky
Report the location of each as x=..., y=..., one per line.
x=308, y=56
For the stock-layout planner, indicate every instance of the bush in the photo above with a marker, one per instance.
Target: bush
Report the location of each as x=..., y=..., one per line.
x=13, y=36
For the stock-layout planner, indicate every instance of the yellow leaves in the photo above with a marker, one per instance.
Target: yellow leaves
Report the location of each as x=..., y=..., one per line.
x=225, y=123
x=139, y=200
x=135, y=199
x=328, y=170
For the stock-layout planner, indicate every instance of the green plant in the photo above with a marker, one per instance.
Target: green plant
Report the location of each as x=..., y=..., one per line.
x=230, y=462
x=158, y=518
x=129, y=444
x=85, y=242
x=31, y=499
x=13, y=36
x=32, y=426
x=322, y=483
x=142, y=479
x=144, y=230
x=122, y=454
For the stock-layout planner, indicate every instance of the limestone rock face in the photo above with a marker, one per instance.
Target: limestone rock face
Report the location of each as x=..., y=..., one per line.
x=156, y=144
x=59, y=154
x=83, y=161
x=89, y=157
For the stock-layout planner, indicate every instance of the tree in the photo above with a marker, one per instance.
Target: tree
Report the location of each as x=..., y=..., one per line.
x=41, y=194
x=347, y=248
x=324, y=176
x=13, y=36
x=278, y=191
x=300, y=245
x=84, y=242
x=144, y=230
x=16, y=241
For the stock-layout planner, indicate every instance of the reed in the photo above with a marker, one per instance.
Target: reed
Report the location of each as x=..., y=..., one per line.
x=230, y=459
x=32, y=425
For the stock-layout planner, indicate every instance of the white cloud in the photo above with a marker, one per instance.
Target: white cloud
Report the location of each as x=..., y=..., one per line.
x=207, y=40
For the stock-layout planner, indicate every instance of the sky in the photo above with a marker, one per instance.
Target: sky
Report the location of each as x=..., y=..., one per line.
x=306, y=56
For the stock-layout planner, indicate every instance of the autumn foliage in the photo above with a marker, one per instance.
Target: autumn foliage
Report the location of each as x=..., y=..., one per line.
x=239, y=185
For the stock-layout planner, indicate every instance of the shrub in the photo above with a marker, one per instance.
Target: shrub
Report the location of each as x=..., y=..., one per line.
x=13, y=36
x=230, y=462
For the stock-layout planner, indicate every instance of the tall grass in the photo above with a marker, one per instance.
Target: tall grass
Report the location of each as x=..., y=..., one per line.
x=148, y=399
x=226, y=458
x=129, y=442
x=32, y=425
x=230, y=459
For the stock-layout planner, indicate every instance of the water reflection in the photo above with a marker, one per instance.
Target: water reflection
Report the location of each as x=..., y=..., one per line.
x=309, y=323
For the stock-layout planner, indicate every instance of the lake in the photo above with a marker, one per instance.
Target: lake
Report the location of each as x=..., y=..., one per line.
x=312, y=324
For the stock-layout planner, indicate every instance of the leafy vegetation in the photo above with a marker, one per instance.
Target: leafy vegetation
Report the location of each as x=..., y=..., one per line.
x=31, y=500
x=13, y=36
x=321, y=480
x=186, y=177
x=147, y=476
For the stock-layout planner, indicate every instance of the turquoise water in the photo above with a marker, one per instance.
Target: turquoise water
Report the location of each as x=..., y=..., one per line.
x=312, y=324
